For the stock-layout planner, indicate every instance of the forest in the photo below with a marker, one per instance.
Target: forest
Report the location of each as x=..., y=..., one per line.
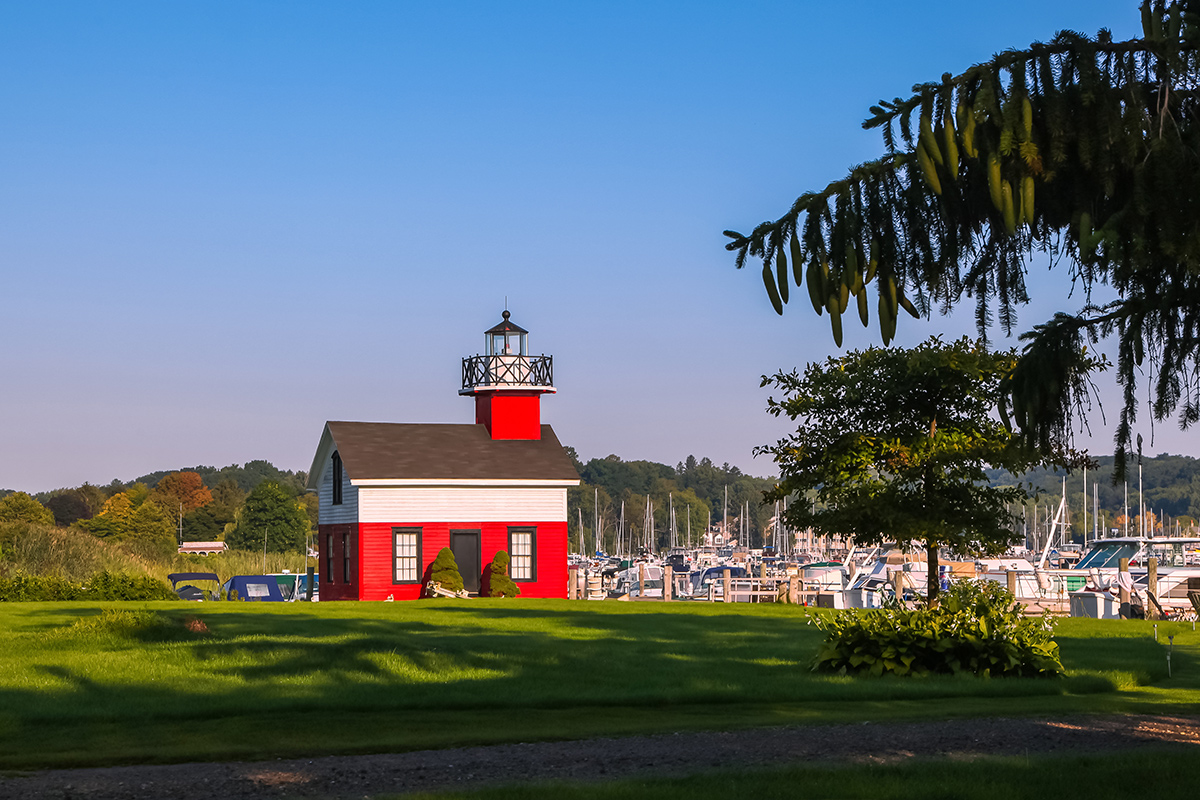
x=1170, y=492
x=695, y=488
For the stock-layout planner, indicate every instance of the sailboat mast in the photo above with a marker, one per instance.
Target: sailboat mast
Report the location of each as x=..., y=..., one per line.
x=1126, y=508
x=725, y=513
x=1085, y=505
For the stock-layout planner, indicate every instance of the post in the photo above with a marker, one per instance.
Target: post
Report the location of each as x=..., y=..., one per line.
x=668, y=581
x=642, y=579
x=725, y=585
x=572, y=582
x=1123, y=569
x=1152, y=577
x=793, y=590
x=1012, y=582
x=311, y=577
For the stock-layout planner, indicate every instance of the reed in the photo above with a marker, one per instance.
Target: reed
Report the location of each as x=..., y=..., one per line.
x=41, y=550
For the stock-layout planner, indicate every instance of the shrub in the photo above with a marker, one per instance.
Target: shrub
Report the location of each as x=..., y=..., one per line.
x=101, y=586
x=496, y=582
x=444, y=570
x=977, y=628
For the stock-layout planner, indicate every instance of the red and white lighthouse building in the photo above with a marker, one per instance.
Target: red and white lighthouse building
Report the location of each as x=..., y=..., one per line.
x=392, y=495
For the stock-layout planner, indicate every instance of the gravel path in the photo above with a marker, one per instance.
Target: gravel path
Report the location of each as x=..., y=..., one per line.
x=604, y=759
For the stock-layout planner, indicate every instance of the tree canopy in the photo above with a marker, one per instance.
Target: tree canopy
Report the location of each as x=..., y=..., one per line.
x=895, y=445
x=20, y=507
x=1082, y=148
x=272, y=519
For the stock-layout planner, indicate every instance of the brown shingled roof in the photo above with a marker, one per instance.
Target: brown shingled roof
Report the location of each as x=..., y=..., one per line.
x=383, y=450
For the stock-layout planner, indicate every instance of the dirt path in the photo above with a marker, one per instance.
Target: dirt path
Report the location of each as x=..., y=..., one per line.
x=605, y=759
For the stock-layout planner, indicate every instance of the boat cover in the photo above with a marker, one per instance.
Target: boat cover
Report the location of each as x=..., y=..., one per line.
x=179, y=577
x=255, y=587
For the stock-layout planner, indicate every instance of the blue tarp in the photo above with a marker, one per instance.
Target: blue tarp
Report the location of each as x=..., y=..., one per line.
x=253, y=587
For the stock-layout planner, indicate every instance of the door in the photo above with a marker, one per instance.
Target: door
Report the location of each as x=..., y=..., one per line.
x=465, y=546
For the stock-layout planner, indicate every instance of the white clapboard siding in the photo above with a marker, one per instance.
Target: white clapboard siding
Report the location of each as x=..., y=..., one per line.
x=347, y=512
x=462, y=504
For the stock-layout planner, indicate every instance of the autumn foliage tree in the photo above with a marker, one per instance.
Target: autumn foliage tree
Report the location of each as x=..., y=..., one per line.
x=1085, y=149
x=181, y=490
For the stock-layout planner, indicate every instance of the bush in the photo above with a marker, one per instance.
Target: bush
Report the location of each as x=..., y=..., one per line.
x=444, y=570
x=977, y=628
x=101, y=586
x=496, y=582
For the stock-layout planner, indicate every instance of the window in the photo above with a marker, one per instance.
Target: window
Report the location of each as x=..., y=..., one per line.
x=329, y=558
x=346, y=557
x=406, y=555
x=337, y=479
x=522, y=550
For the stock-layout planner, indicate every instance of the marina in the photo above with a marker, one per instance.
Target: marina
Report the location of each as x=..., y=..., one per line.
x=1140, y=577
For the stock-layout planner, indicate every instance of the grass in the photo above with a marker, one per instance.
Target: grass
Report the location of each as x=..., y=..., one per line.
x=90, y=684
x=1162, y=774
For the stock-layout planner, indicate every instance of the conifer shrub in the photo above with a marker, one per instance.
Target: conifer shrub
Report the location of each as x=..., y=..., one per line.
x=444, y=571
x=977, y=628
x=496, y=582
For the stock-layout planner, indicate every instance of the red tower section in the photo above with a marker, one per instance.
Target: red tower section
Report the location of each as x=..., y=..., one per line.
x=508, y=383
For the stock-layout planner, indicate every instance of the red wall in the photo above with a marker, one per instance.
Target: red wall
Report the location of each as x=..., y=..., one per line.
x=372, y=563
x=510, y=415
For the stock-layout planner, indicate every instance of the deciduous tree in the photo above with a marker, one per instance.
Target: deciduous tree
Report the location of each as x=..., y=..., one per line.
x=272, y=517
x=895, y=444
x=20, y=507
x=183, y=490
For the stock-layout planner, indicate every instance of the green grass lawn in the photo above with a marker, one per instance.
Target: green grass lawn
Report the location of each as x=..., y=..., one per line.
x=299, y=679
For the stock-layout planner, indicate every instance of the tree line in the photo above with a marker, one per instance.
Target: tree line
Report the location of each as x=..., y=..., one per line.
x=254, y=506
x=695, y=487
x=1170, y=492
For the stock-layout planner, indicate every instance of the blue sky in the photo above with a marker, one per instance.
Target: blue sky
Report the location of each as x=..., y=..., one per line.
x=223, y=223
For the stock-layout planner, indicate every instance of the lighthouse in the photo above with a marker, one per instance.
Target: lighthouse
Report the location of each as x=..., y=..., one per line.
x=508, y=383
x=393, y=494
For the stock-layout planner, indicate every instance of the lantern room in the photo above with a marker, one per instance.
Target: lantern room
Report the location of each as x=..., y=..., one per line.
x=507, y=382
x=507, y=338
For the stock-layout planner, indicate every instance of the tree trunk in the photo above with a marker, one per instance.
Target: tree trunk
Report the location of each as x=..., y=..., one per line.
x=932, y=584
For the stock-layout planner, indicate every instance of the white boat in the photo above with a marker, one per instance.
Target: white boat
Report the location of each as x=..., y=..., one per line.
x=630, y=581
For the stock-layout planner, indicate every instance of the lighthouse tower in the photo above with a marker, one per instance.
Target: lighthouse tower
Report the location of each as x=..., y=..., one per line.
x=508, y=383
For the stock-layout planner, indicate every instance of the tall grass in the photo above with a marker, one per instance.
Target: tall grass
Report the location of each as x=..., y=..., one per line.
x=41, y=550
